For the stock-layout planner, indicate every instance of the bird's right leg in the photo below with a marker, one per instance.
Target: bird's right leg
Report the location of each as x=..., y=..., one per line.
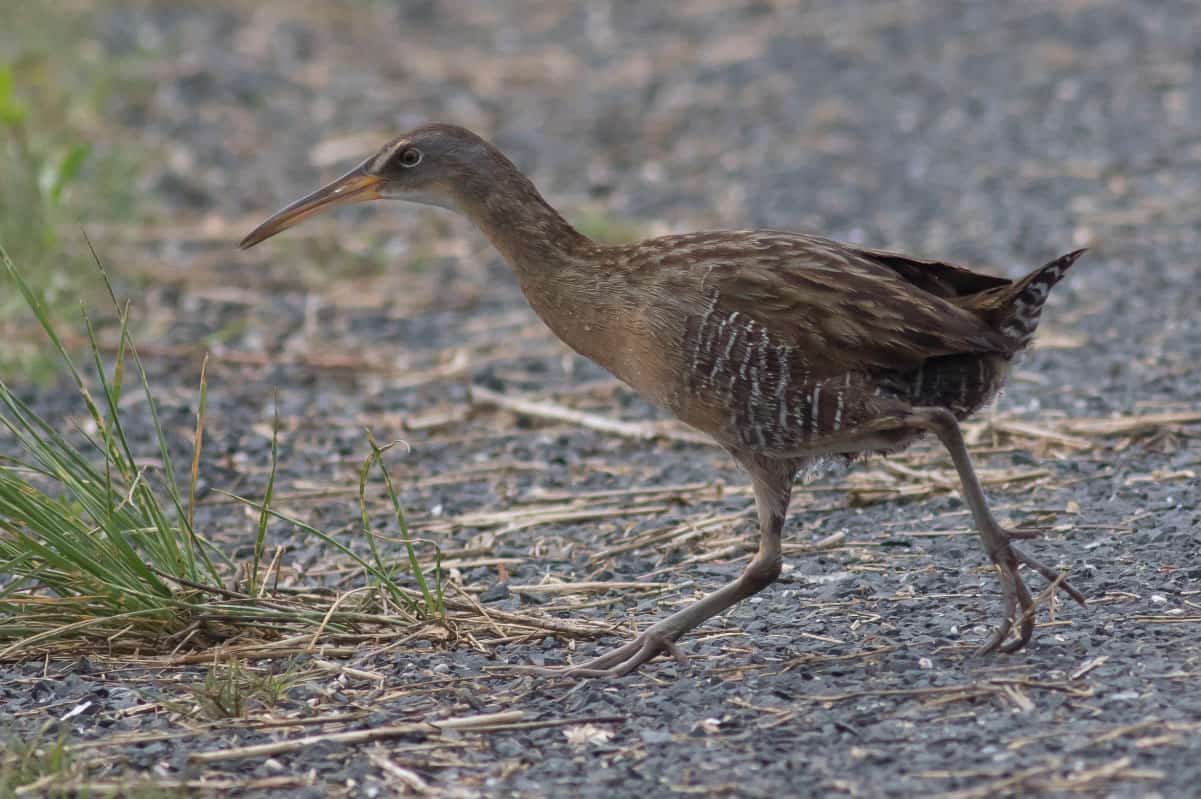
x=996, y=539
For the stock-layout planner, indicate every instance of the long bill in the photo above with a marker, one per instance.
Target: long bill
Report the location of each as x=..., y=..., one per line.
x=355, y=186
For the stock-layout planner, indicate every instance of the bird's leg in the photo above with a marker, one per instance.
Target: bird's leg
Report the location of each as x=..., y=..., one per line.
x=996, y=539
x=773, y=487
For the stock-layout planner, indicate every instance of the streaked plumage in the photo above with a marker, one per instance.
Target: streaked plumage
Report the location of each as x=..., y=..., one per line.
x=786, y=348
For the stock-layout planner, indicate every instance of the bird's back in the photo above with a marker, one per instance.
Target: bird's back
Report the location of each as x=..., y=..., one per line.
x=785, y=344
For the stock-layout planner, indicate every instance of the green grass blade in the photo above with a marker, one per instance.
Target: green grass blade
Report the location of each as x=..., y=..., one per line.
x=433, y=601
x=260, y=537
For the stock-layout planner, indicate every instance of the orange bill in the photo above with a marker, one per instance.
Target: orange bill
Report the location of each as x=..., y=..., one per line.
x=355, y=186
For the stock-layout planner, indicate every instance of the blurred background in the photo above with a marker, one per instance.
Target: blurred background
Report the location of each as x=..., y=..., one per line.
x=998, y=134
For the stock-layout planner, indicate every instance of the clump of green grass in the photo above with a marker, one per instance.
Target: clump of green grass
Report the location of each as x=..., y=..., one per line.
x=426, y=602
x=99, y=545
x=234, y=690
x=103, y=532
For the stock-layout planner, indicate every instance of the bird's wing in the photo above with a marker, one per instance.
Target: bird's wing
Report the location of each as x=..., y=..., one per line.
x=852, y=311
x=936, y=277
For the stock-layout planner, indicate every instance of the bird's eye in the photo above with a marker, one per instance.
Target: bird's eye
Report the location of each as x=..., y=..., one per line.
x=410, y=157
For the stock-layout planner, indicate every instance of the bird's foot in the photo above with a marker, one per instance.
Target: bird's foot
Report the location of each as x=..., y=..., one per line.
x=622, y=660
x=662, y=636
x=1007, y=559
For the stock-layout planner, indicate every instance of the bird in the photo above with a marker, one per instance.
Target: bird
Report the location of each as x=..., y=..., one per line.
x=789, y=350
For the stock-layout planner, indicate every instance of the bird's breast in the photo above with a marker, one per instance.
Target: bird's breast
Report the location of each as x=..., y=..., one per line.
x=607, y=328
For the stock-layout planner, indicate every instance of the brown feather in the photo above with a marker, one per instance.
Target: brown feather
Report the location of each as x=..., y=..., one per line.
x=786, y=348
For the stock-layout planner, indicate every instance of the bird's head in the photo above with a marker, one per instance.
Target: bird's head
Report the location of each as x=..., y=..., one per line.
x=433, y=164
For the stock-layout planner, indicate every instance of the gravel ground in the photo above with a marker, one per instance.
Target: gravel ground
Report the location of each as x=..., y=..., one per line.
x=991, y=133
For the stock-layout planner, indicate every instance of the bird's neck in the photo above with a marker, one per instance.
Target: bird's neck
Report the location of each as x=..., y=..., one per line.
x=531, y=235
x=564, y=275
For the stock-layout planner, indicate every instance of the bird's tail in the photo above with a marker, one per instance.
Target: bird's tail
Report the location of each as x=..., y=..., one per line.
x=1015, y=309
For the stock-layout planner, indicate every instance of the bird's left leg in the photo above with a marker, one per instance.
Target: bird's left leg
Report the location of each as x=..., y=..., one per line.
x=996, y=539
x=773, y=487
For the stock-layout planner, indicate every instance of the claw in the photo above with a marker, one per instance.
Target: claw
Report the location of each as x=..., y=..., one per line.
x=1016, y=594
x=1009, y=594
x=1025, y=621
x=616, y=662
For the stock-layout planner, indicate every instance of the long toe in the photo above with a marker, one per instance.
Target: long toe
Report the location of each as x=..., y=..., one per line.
x=625, y=659
x=617, y=662
x=1051, y=575
x=1025, y=621
x=1010, y=596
